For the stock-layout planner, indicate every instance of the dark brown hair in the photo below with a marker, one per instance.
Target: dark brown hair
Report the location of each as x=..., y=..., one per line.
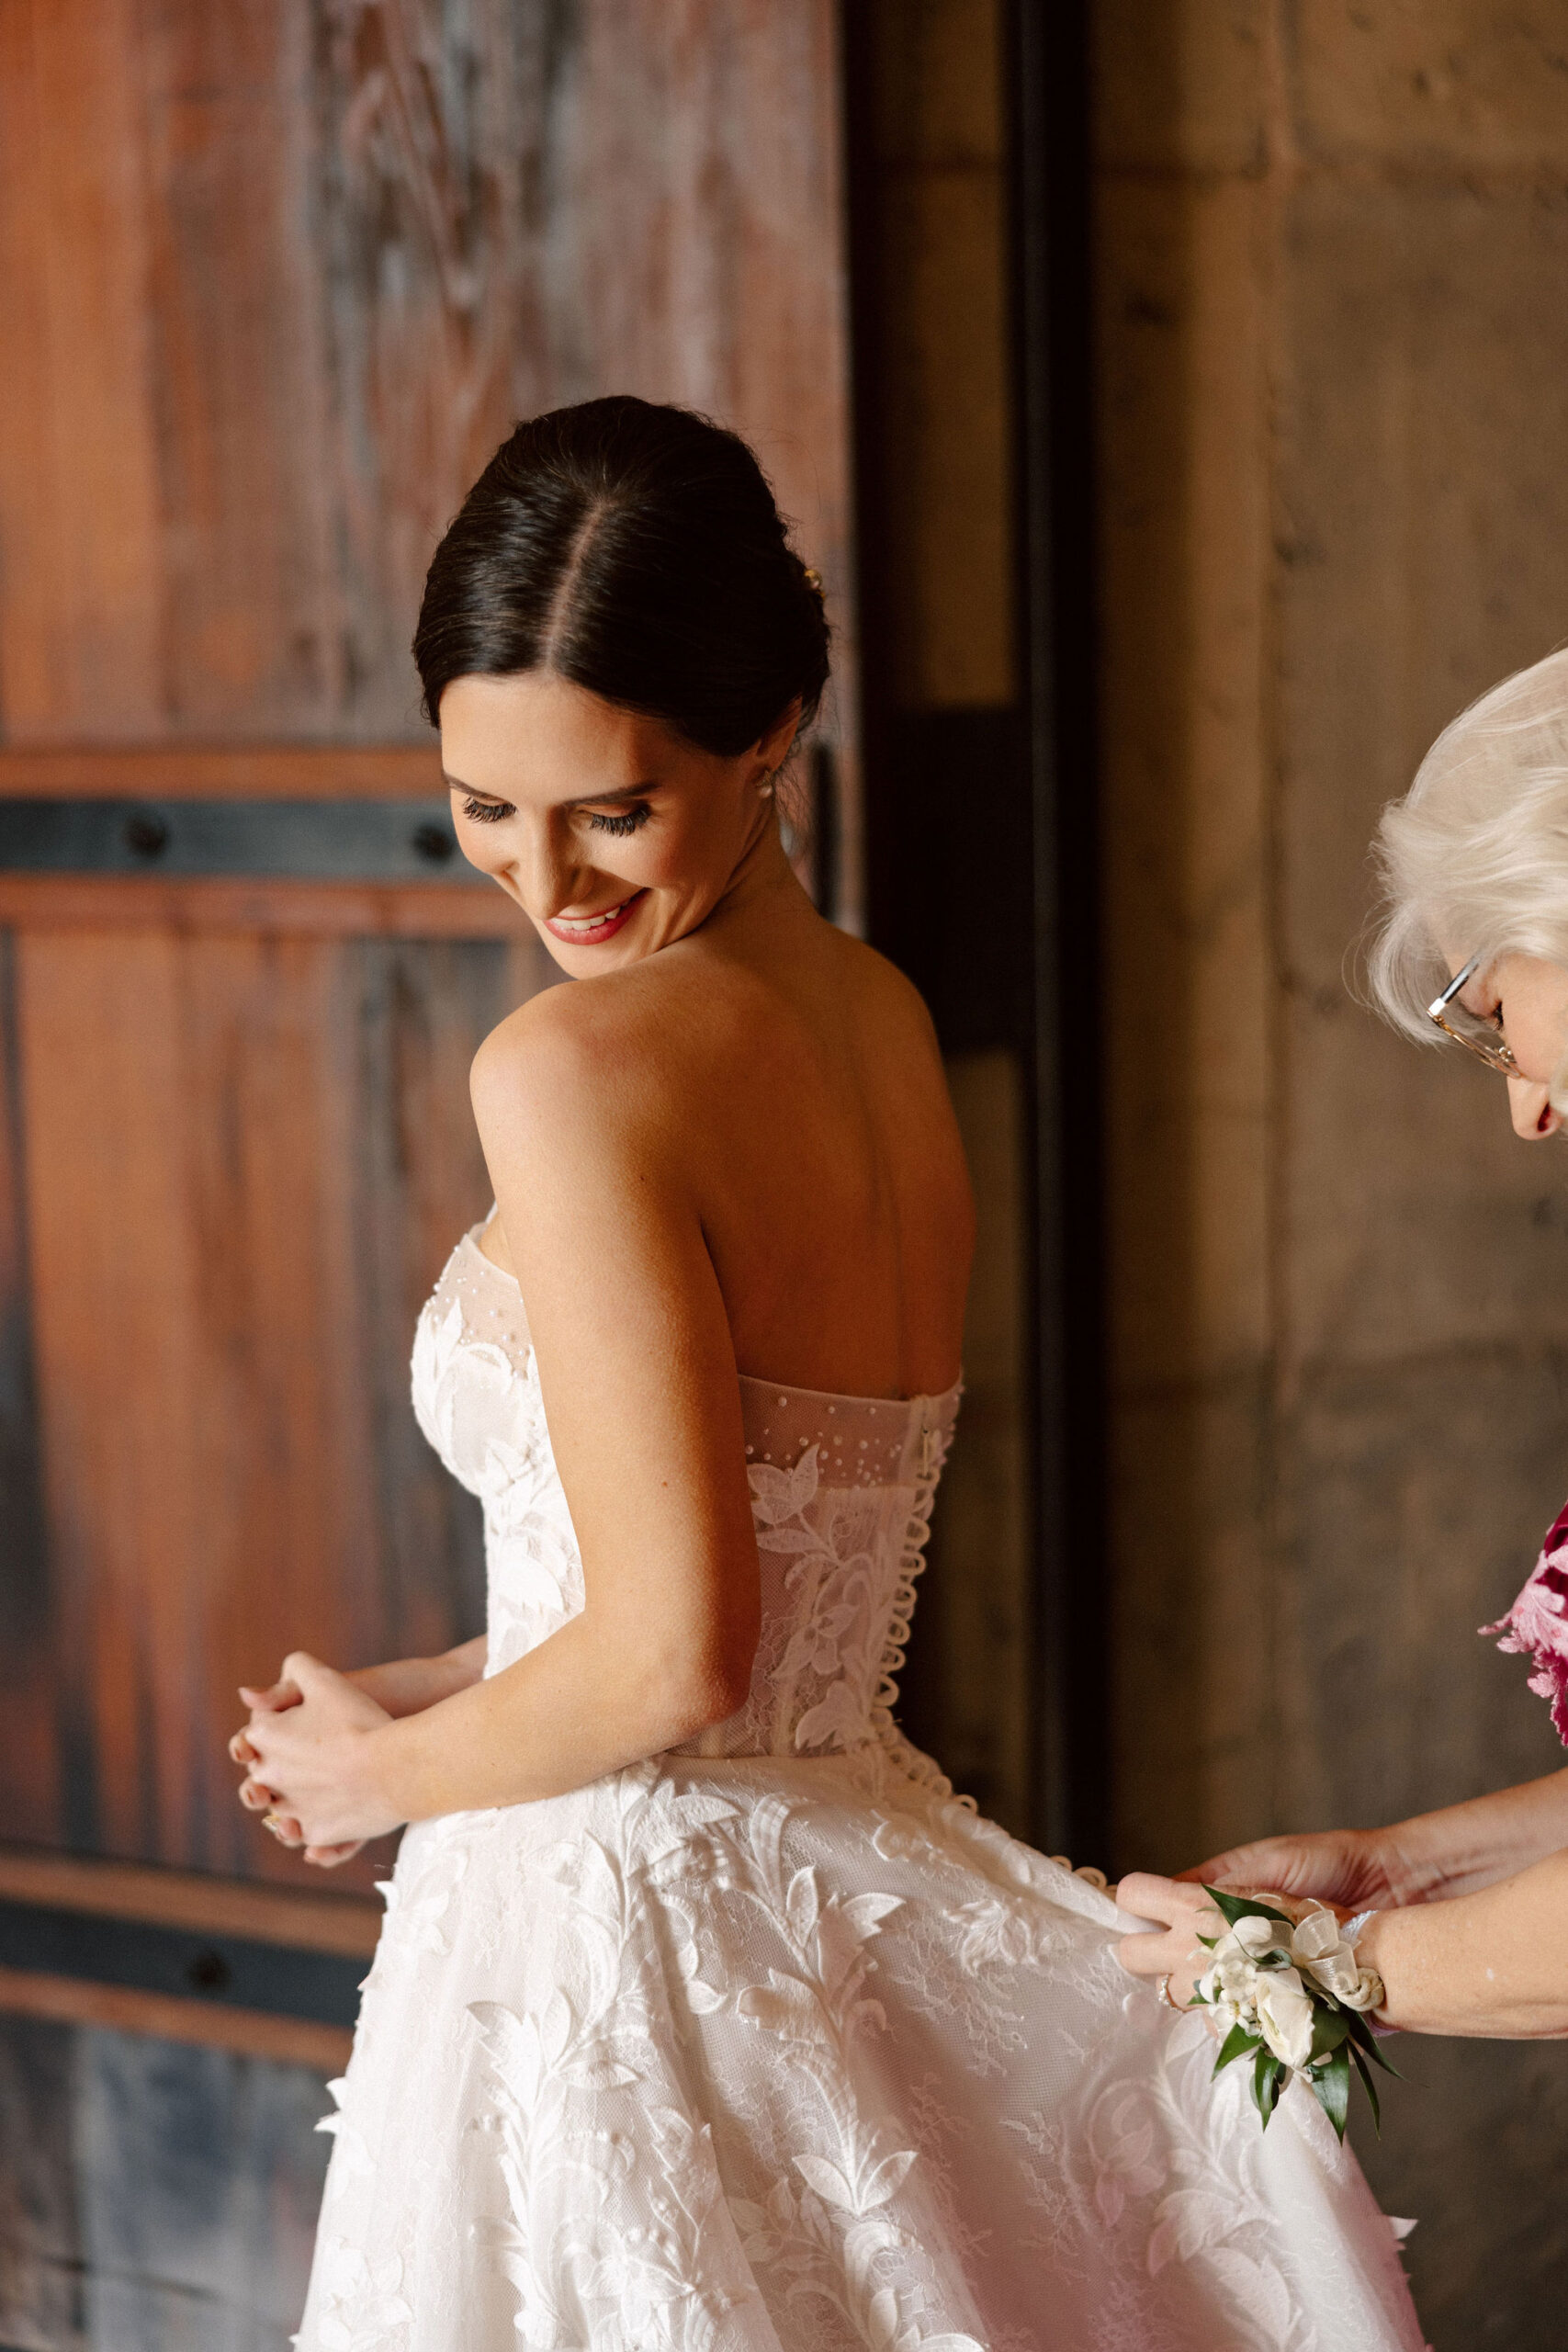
x=636, y=551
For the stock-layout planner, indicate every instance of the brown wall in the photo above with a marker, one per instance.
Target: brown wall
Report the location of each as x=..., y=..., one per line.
x=1334, y=408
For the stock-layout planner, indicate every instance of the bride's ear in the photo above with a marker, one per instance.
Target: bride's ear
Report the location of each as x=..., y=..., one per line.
x=772, y=750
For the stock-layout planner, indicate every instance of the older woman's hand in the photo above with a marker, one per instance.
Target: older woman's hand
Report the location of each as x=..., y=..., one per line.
x=1357, y=1869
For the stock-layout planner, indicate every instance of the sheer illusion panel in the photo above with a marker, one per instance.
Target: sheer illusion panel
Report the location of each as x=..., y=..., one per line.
x=841, y=1492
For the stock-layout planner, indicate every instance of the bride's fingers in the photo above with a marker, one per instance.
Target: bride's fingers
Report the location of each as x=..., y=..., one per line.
x=241, y=1750
x=1150, y=1955
x=256, y=1796
x=327, y=1858
x=284, y=1827
x=283, y=1693
x=1174, y=1917
x=1148, y=1897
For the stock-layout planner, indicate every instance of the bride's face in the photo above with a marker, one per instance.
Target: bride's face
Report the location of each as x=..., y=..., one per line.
x=1524, y=999
x=612, y=834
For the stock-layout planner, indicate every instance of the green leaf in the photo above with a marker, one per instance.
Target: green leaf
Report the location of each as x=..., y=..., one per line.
x=1265, y=2084
x=1329, y=2028
x=1332, y=2086
x=1369, y=2087
x=1361, y=2033
x=1243, y=1907
x=1237, y=2044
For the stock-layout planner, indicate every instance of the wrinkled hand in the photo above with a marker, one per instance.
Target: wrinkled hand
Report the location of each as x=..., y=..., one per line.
x=1184, y=1913
x=1349, y=1869
x=307, y=1763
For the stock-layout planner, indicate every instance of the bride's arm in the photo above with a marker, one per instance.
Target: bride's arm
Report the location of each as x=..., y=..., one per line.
x=638, y=1368
x=400, y=1686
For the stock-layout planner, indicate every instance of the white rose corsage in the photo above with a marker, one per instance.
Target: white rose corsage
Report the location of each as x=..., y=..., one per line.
x=1292, y=1996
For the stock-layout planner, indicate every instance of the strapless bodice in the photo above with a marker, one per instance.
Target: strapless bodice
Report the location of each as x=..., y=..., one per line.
x=841, y=1491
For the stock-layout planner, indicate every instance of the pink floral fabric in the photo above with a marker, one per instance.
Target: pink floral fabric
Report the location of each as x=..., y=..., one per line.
x=1537, y=1625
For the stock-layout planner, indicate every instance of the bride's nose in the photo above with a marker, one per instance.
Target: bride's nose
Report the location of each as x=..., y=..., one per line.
x=546, y=869
x=1530, y=1110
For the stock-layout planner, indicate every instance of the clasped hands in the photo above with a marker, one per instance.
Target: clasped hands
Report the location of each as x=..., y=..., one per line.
x=308, y=1761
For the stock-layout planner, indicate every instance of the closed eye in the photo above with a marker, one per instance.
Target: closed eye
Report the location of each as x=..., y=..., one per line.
x=487, y=812
x=630, y=821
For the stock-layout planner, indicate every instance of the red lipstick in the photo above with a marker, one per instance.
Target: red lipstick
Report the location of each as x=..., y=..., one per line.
x=592, y=931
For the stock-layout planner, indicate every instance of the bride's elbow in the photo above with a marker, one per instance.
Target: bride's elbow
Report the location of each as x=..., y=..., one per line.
x=706, y=1683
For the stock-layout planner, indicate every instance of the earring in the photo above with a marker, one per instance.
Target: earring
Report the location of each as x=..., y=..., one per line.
x=766, y=790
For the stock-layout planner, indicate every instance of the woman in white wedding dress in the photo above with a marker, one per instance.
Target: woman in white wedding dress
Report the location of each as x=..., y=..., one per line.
x=705, y=2016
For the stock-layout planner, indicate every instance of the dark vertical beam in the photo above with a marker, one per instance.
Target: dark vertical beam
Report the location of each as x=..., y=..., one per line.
x=1049, y=96
x=865, y=233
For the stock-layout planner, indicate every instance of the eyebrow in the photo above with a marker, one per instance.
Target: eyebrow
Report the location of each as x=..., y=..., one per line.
x=582, y=800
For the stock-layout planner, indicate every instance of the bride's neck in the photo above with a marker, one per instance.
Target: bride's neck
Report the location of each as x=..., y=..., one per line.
x=764, y=884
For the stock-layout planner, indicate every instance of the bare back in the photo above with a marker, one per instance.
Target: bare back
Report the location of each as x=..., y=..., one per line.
x=794, y=1077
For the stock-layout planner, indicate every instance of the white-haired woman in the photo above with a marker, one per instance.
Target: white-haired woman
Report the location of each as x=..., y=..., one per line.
x=1470, y=1925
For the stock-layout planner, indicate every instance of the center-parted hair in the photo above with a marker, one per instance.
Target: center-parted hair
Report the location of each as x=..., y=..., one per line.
x=636, y=551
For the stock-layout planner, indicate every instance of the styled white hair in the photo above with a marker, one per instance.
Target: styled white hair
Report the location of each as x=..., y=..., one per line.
x=1476, y=854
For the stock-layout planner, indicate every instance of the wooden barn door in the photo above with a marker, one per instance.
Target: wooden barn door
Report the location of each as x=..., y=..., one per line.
x=276, y=275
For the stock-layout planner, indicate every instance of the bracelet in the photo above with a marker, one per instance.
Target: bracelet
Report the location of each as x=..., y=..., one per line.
x=1350, y=1931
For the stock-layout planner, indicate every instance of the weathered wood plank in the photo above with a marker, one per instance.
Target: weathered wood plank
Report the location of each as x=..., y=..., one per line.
x=81, y=611
x=246, y=1157
x=154, y=2195
x=219, y=771
x=211, y=2025
x=33, y=1793
x=306, y=1920
x=286, y=282
x=198, y=908
x=41, y=2299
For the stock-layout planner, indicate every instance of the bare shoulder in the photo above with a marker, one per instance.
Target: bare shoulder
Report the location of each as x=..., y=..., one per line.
x=588, y=1052
x=886, y=994
x=645, y=1050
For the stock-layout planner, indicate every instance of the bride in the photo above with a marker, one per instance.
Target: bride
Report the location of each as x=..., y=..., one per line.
x=705, y=2016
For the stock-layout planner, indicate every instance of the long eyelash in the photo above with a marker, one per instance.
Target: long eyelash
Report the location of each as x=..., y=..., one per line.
x=632, y=822
x=487, y=813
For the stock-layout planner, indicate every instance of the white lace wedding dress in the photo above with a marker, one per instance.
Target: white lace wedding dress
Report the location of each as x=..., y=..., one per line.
x=770, y=2044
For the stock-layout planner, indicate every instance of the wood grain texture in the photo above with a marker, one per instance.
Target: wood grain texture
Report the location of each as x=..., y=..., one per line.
x=314, y=1921
x=276, y=277
x=199, y=907
x=155, y=2195
x=244, y=1159
x=79, y=507
x=254, y=2033
x=222, y=771
x=281, y=276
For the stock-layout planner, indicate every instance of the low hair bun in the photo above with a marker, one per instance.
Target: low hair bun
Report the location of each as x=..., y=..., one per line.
x=637, y=549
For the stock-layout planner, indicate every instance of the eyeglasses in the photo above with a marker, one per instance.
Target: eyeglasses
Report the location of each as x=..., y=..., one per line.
x=1498, y=1056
